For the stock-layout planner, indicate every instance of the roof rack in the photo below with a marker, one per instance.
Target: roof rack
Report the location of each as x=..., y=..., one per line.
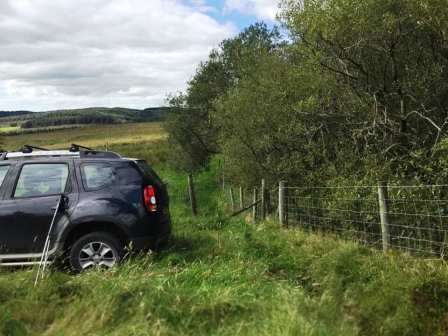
x=89, y=152
x=75, y=150
x=29, y=148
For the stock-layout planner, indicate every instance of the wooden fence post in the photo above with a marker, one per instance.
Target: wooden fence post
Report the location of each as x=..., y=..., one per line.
x=263, y=199
x=192, y=194
x=254, y=209
x=267, y=201
x=282, y=210
x=232, y=199
x=384, y=216
x=241, y=198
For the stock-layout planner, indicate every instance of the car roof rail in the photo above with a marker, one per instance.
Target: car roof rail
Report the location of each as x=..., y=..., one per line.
x=29, y=149
x=98, y=154
x=92, y=153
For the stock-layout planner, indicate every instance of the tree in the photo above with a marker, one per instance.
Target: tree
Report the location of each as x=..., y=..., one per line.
x=358, y=88
x=392, y=54
x=191, y=126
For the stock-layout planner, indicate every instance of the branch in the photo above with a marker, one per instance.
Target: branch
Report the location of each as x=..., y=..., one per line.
x=437, y=127
x=349, y=75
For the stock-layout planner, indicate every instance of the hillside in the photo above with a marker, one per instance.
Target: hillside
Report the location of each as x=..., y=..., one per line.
x=92, y=115
x=6, y=114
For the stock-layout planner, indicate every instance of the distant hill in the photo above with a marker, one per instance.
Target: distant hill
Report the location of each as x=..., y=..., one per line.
x=91, y=115
x=4, y=114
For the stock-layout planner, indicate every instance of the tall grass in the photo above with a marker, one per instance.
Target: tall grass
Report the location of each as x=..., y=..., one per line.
x=228, y=277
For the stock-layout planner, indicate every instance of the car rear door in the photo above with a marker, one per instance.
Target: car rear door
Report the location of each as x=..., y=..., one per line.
x=27, y=208
x=151, y=177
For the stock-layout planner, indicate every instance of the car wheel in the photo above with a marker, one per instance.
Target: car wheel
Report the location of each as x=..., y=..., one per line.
x=95, y=250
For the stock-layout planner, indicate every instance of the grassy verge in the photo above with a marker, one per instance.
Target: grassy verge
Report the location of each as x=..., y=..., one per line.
x=227, y=277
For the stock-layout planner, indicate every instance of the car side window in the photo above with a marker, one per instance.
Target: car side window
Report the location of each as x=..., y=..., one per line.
x=41, y=180
x=97, y=176
x=3, y=171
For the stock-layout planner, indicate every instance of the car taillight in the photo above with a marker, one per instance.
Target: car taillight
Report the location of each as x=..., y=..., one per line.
x=149, y=196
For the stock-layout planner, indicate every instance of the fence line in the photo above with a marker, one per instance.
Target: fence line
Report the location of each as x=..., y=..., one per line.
x=411, y=218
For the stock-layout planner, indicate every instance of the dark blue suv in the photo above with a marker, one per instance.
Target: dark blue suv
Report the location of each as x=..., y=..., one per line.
x=100, y=205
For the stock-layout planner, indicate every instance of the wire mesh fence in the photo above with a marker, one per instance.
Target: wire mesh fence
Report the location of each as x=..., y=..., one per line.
x=178, y=192
x=195, y=192
x=244, y=198
x=411, y=218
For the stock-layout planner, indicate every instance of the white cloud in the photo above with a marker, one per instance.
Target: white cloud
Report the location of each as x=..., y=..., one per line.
x=203, y=6
x=262, y=9
x=77, y=53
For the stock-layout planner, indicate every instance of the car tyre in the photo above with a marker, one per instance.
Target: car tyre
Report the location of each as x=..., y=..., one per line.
x=95, y=250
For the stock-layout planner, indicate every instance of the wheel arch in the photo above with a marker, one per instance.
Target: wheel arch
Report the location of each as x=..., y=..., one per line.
x=85, y=228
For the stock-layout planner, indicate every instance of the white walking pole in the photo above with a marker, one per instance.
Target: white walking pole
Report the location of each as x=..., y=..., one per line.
x=44, y=257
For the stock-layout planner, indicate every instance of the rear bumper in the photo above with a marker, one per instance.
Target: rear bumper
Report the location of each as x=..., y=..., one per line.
x=142, y=243
x=149, y=242
x=154, y=235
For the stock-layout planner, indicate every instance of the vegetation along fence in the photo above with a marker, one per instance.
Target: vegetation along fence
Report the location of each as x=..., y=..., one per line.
x=184, y=192
x=412, y=218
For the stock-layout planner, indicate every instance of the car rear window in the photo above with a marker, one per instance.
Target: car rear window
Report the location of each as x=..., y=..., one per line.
x=97, y=176
x=3, y=171
x=147, y=170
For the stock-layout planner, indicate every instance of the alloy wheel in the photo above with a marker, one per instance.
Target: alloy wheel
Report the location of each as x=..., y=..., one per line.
x=97, y=254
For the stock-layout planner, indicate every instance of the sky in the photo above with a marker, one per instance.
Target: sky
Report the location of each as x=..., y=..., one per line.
x=128, y=53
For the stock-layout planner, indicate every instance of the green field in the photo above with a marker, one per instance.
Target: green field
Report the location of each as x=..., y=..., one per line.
x=6, y=129
x=225, y=277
